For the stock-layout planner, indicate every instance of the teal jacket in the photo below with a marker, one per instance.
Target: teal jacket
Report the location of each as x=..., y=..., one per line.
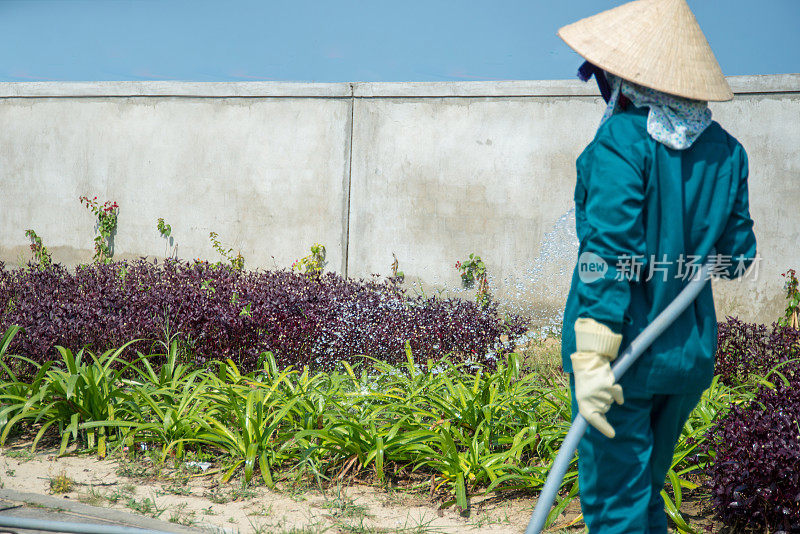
x=649, y=211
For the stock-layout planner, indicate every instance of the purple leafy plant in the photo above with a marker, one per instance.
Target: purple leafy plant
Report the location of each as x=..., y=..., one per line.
x=221, y=312
x=755, y=475
x=748, y=349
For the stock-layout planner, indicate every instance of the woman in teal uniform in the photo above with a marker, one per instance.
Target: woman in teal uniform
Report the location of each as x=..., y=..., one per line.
x=660, y=189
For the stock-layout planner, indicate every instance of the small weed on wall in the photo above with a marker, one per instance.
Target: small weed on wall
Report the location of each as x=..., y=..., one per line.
x=313, y=264
x=106, y=214
x=790, y=316
x=474, y=270
x=41, y=256
x=169, y=241
x=236, y=262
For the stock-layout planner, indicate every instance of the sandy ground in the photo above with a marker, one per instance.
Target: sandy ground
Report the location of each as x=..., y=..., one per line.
x=202, y=502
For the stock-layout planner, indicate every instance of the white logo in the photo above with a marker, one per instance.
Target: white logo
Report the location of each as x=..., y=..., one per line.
x=591, y=267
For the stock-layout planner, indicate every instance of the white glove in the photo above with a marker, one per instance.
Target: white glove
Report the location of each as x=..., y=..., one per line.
x=597, y=345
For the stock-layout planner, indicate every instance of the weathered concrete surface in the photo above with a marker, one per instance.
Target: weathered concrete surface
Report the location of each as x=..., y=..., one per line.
x=768, y=126
x=434, y=180
x=436, y=171
x=268, y=175
x=437, y=178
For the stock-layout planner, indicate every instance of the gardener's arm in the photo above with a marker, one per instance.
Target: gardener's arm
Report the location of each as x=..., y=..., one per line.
x=611, y=192
x=613, y=196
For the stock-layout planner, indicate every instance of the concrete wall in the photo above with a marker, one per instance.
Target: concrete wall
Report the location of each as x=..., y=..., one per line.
x=428, y=171
x=269, y=175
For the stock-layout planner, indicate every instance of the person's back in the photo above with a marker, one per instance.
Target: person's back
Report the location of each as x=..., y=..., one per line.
x=674, y=208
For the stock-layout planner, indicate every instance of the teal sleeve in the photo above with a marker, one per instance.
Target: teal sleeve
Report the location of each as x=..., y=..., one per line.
x=738, y=241
x=613, y=183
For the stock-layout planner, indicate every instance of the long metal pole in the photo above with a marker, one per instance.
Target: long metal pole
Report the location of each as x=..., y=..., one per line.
x=626, y=359
x=64, y=526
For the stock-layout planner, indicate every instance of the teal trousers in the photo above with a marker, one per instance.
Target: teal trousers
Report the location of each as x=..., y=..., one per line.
x=621, y=479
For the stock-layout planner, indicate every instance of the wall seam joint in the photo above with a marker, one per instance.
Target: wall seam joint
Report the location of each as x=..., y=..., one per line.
x=346, y=240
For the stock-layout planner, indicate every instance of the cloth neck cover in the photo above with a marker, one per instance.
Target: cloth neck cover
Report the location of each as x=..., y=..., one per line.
x=673, y=121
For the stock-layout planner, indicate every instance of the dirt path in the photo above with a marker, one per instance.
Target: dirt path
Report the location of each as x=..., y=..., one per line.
x=201, y=502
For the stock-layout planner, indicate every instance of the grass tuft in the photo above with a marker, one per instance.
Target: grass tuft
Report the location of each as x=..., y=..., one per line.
x=61, y=483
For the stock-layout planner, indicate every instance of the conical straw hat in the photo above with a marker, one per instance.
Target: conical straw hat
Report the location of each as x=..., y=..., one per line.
x=654, y=43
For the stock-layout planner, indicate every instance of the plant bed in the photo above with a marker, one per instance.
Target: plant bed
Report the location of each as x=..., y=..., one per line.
x=458, y=434
x=219, y=312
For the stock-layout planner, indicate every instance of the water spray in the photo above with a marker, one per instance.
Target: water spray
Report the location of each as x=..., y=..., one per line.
x=626, y=359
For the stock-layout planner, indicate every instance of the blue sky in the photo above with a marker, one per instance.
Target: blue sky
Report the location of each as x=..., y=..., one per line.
x=348, y=40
